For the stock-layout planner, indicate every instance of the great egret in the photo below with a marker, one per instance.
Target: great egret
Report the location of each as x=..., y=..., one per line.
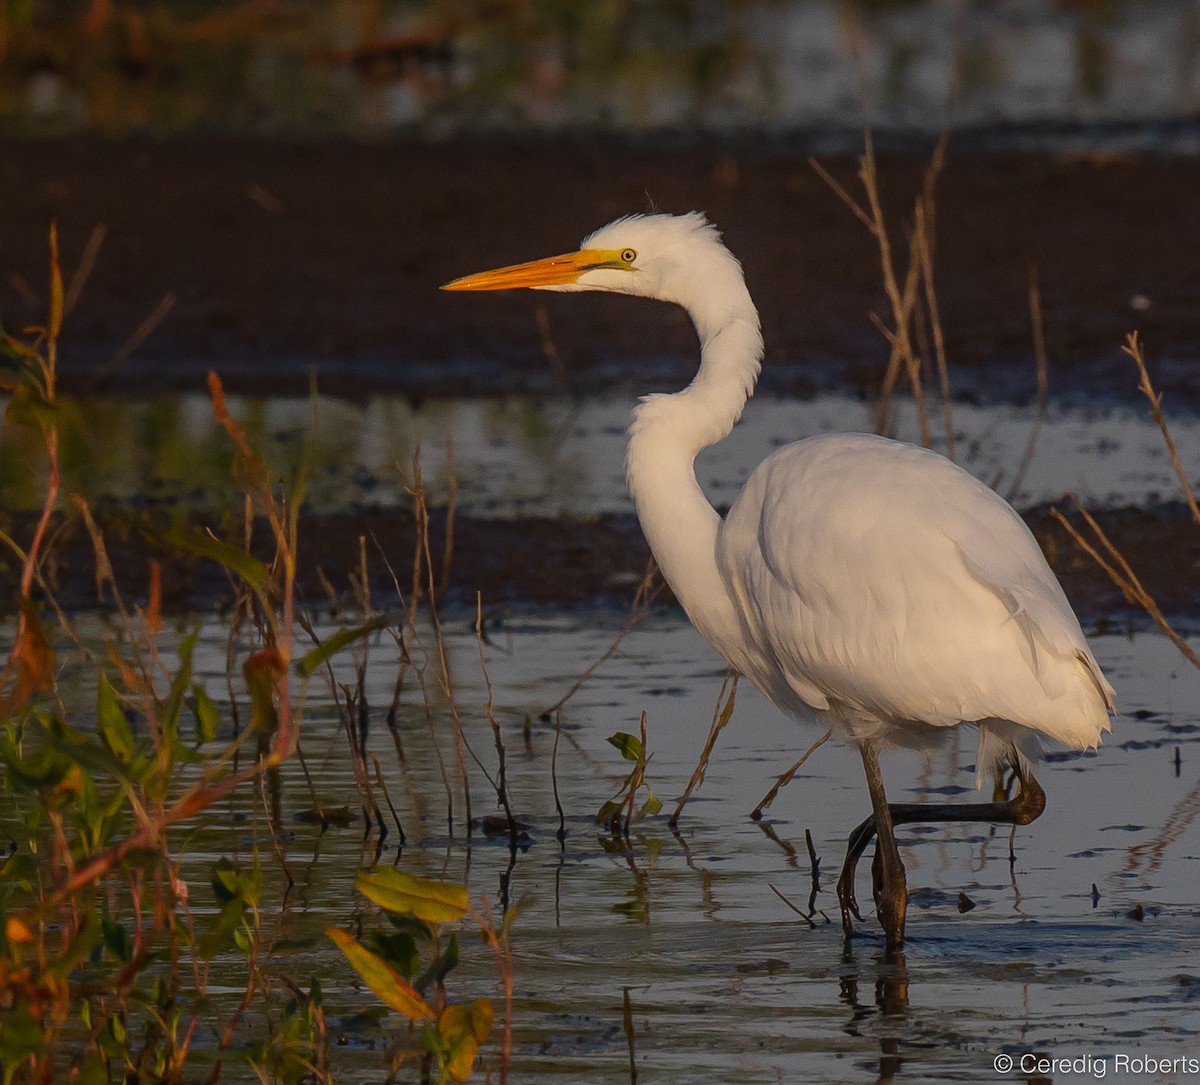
x=867, y=582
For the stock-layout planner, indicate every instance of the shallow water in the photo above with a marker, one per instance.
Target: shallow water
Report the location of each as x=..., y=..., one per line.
x=725, y=982
x=528, y=456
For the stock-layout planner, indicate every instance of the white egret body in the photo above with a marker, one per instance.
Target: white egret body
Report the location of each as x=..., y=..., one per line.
x=867, y=582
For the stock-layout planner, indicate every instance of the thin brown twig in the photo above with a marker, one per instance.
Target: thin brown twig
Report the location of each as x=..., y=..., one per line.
x=721, y=716
x=490, y=711
x=923, y=234
x=1122, y=575
x=1133, y=347
x=83, y=270
x=1043, y=383
x=627, y=1025
x=648, y=591
x=787, y=777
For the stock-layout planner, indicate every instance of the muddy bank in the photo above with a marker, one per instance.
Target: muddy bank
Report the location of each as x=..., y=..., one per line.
x=282, y=257
x=543, y=562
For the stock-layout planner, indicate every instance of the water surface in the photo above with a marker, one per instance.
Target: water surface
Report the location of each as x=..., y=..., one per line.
x=1085, y=945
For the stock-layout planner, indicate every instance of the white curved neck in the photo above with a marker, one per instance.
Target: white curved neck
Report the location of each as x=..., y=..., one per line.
x=669, y=431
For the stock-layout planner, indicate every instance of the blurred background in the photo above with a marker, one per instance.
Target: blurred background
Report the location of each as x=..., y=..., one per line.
x=444, y=67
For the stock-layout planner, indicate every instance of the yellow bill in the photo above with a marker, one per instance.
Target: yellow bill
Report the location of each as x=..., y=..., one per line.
x=552, y=271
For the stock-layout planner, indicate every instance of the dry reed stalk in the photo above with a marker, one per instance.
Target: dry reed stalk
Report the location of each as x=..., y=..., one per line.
x=1121, y=574
x=83, y=270
x=787, y=777
x=721, y=716
x=627, y=1025
x=498, y=942
x=388, y=798
x=1043, y=382
x=924, y=239
x=1118, y=569
x=903, y=300
x=462, y=747
x=648, y=590
x=140, y=334
x=451, y=510
x=1133, y=347
x=807, y=918
x=501, y=782
x=28, y=669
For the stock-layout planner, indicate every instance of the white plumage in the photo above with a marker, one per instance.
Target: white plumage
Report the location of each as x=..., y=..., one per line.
x=867, y=582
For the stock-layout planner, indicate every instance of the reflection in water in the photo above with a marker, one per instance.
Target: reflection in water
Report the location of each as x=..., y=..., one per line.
x=355, y=66
x=526, y=456
x=890, y=1006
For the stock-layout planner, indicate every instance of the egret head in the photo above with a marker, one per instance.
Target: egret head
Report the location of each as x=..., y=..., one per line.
x=656, y=256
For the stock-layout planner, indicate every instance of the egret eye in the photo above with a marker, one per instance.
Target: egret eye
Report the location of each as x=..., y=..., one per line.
x=628, y=256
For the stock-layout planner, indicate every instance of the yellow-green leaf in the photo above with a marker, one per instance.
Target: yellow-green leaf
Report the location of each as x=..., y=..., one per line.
x=341, y=639
x=249, y=568
x=462, y=1030
x=433, y=902
x=629, y=745
x=391, y=987
x=208, y=717
x=113, y=725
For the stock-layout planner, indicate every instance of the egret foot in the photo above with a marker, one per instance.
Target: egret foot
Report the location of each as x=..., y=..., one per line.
x=890, y=890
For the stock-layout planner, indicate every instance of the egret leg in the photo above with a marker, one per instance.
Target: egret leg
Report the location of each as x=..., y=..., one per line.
x=1024, y=807
x=891, y=889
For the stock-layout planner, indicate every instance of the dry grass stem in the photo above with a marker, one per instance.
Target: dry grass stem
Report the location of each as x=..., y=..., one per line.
x=904, y=299
x=501, y=782
x=1121, y=574
x=1133, y=347
x=1043, y=382
x=140, y=334
x=627, y=1025
x=787, y=777
x=722, y=713
x=924, y=239
x=648, y=590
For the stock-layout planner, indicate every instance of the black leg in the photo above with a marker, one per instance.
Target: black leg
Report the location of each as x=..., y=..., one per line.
x=1026, y=806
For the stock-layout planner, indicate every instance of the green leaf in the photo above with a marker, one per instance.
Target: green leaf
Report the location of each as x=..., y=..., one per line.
x=173, y=706
x=390, y=987
x=629, y=745
x=609, y=810
x=399, y=950
x=208, y=717
x=113, y=724
x=116, y=938
x=440, y=967
x=225, y=881
x=236, y=560
x=227, y=921
x=434, y=902
x=341, y=639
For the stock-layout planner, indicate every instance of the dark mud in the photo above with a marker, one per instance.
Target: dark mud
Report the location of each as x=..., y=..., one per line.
x=288, y=256
x=546, y=562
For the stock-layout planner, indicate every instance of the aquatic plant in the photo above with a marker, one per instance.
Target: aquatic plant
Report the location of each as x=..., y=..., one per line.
x=406, y=967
